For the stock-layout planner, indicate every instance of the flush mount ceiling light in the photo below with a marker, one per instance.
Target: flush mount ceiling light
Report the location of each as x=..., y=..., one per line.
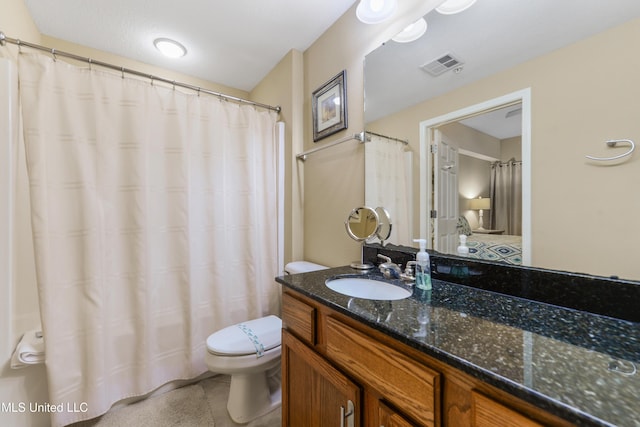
x=170, y=48
x=451, y=7
x=375, y=11
x=412, y=32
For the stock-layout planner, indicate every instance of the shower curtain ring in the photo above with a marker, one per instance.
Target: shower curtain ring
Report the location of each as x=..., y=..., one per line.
x=53, y=53
x=89, y=61
x=122, y=71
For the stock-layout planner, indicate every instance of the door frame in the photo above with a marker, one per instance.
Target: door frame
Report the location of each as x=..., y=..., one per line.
x=426, y=162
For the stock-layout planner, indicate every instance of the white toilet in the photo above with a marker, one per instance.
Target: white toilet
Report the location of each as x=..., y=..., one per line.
x=250, y=352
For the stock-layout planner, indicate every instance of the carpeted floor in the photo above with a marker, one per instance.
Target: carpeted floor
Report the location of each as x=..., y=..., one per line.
x=203, y=404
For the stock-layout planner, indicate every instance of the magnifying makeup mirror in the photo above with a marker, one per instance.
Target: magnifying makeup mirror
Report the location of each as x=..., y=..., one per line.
x=365, y=223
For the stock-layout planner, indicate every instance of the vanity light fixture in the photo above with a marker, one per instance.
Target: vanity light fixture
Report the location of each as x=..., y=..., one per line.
x=451, y=7
x=412, y=32
x=376, y=11
x=170, y=48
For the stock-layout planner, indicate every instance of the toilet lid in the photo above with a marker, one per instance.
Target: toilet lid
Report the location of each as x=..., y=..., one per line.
x=249, y=337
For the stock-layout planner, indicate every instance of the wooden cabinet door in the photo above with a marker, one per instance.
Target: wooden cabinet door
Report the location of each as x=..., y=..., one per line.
x=487, y=412
x=390, y=418
x=405, y=383
x=314, y=393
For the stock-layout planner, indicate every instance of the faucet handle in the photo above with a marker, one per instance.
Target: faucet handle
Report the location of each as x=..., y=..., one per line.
x=408, y=269
x=384, y=258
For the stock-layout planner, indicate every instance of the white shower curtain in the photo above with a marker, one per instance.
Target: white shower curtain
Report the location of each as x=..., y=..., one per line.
x=153, y=217
x=387, y=184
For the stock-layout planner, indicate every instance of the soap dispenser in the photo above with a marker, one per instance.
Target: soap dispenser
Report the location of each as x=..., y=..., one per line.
x=423, y=267
x=463, y=250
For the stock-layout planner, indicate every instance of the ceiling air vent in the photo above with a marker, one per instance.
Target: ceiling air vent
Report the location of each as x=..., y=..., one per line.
x=440, y=65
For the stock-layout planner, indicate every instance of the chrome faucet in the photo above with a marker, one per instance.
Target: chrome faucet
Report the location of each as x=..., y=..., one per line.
x=389, y=269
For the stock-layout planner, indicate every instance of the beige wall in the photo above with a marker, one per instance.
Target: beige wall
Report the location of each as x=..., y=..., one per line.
x=284, y=86
x=469, y=139
x=334, y=178
x=16, y=22
x=582, y=213
x=474, y=180
x=511, y=148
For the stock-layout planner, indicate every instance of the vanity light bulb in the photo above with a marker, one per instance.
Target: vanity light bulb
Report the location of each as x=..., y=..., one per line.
x=376, y=5
x=376, y=11
x=412, y=32
x=451, y=7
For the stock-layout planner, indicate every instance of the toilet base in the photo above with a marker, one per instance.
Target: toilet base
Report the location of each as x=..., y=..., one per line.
x=251, y=396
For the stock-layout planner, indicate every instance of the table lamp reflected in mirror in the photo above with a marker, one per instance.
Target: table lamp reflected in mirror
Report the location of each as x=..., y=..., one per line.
x=480, y=204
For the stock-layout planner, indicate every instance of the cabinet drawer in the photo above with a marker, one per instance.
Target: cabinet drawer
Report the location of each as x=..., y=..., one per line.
x=299, y=318
x=487, y=412
x=407, y=384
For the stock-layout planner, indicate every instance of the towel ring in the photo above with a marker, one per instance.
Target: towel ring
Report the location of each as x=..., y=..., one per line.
x=613, y=143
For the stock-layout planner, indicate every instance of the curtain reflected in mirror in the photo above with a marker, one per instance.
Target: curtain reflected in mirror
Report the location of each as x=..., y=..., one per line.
x=506, y=197
x=388, y=183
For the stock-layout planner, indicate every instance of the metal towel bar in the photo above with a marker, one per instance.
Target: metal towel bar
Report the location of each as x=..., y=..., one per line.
x=613, y=143
x=357, y=136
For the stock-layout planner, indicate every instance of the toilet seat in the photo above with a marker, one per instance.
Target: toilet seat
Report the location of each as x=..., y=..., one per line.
x=251, y=337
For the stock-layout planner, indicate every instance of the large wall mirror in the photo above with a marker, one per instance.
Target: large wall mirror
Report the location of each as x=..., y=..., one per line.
x=520, y=91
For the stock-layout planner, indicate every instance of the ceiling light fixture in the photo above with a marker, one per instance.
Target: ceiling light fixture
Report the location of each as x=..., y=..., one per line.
x=170, y=48
x=451, y=7
x=411, y=32
x=376, y=11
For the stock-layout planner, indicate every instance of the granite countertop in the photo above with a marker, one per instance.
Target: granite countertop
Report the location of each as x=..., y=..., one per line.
x=575, y=364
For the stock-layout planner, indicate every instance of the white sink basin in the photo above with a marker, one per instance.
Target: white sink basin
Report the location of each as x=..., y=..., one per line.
x=367, y=288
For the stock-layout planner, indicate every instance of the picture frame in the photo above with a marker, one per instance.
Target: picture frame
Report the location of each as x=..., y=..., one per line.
x=329, y=107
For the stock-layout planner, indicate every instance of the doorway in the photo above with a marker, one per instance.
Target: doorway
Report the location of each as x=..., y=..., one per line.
x=437, y=230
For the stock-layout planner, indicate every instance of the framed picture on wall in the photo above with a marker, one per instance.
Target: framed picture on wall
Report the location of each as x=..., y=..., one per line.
x=329, y=107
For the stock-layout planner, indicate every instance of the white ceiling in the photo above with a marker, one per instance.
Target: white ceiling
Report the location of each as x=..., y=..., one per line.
x=491, y=36
x=231, y=42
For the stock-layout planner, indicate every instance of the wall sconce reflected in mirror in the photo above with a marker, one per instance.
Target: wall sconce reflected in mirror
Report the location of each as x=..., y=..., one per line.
x=480, y=205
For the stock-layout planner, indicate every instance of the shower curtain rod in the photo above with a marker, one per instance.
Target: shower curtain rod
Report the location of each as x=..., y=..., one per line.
x=4, y=39
x=515, y=162
x=404, y=141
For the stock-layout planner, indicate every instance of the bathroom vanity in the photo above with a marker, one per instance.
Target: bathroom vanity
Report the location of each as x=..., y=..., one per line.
x=489, y=346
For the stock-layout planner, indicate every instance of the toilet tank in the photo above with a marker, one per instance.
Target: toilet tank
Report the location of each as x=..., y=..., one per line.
x=296, y=267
